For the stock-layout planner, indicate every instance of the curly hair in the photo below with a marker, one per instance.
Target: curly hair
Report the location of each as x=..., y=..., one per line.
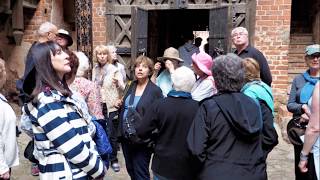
x=228, y=73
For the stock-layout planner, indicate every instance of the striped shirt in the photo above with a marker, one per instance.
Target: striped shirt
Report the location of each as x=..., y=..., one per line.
x=63, y=145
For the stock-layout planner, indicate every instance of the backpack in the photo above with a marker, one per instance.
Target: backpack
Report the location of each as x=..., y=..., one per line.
x=102, y=142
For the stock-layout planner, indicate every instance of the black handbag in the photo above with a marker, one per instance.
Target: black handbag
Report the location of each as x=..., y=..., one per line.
x=295, y=129
x=28, y=152
x=133, y=120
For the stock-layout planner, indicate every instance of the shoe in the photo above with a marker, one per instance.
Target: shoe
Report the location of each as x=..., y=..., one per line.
x=34, y=170
x=115, y=166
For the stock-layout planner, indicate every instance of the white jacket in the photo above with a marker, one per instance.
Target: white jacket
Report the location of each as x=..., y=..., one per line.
x=9, y=155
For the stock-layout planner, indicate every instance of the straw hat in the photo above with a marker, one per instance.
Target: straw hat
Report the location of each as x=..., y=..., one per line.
x=170, y=53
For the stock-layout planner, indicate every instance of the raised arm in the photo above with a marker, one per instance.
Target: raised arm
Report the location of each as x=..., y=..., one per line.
x=313, y=129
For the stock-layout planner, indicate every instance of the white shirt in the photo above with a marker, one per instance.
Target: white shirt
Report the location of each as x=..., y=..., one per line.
x=9, y=154
x=203, y=88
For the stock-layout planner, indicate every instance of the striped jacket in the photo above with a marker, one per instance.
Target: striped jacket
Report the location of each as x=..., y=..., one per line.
x=63, y=145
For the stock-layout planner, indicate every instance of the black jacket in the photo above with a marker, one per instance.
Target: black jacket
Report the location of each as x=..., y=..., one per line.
x=172, y=118
x=254, y=53
x=150, y=94
x=226, y=137
x=26, y=84
x=269, y=133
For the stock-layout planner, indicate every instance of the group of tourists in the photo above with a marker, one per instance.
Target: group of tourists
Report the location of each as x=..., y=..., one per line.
x=195, y=116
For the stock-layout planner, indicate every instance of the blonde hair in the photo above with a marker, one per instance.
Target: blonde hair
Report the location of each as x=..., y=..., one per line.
x=110, y=47
x=252, y=69
x=99, y=49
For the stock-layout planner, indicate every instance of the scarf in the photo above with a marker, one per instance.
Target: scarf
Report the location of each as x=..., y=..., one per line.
x=307, y=89
x=174, y=93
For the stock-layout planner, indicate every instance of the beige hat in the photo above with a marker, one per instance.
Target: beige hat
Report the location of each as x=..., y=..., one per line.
x=170, y=53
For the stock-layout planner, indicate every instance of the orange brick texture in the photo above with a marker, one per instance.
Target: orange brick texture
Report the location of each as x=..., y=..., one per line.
x=272, y=37
x=99, y=27
x=42, y=14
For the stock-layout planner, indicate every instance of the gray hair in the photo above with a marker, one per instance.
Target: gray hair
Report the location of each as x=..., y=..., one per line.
x=239, y=29
x=229, y=73
x=83, y=63
x=45, y=28
x=183, y=79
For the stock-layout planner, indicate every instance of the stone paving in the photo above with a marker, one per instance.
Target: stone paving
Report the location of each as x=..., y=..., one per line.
x=280, y=163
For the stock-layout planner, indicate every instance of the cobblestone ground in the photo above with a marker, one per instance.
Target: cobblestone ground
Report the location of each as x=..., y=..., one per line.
x=280, y=163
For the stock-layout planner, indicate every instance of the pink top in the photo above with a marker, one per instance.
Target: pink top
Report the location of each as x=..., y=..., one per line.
x=91, y=93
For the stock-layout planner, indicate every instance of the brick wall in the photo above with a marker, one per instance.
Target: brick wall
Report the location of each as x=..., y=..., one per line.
x=32, y=23
x=99, y=23
x=272, y=37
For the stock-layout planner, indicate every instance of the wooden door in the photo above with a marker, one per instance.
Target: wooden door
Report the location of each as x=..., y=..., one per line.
x=219, y=30
x=139, y=32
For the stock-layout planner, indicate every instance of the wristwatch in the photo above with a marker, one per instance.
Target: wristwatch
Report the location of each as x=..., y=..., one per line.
x=303, y=157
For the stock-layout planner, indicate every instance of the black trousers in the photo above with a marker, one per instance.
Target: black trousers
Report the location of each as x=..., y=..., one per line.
x=112, y=127
x=311, y=173
x=137, y=158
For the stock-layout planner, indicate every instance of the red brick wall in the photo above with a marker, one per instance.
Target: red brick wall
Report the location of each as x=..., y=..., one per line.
x=42, y=14
x=99, y=28
x=272, y=37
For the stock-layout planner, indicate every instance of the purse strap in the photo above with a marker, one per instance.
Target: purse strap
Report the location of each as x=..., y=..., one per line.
x=132, y=94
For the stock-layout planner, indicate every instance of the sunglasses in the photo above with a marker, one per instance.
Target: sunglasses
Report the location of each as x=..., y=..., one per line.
x=313, y=56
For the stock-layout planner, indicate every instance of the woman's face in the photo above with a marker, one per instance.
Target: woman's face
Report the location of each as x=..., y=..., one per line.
x=196, y=70
x=62, y=41
x=141, y=71
x=102, y=58
x=60, y=62
x=113, y=53
x=313, y=61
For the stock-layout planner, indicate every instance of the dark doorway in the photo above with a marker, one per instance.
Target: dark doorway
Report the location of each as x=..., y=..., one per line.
x=167, y=27
x=155, y=30
x=303, y=15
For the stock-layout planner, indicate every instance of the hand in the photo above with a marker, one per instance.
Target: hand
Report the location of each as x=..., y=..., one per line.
x=306, y=109
x=157, y=66
x=170, y=66
x=304, y=118
x=5, y=175
x=115, y=82
x=303, y=166
x=118, y=103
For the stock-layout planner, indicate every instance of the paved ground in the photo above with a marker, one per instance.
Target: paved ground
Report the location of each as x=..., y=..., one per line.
x=280, y=163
